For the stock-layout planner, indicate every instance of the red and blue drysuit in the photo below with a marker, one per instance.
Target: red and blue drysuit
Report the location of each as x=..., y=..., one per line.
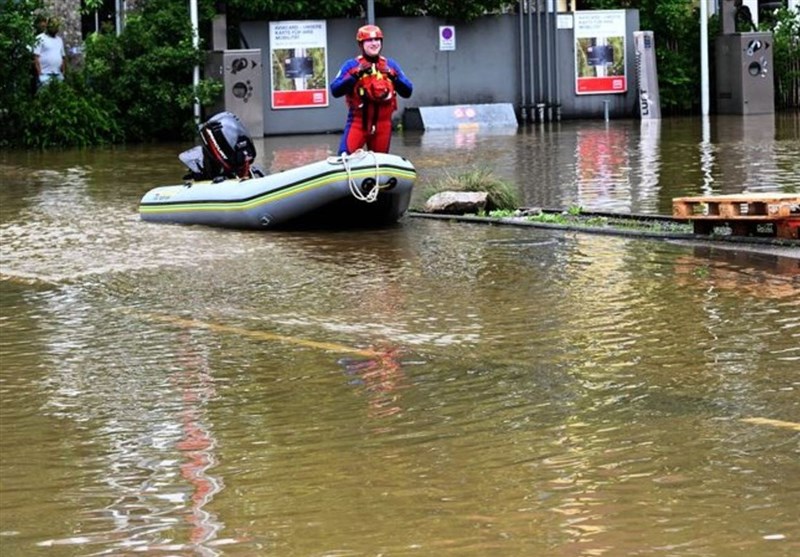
x=371, y=87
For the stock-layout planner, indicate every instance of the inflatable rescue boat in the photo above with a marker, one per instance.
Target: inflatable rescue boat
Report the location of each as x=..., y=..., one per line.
x=225, y=189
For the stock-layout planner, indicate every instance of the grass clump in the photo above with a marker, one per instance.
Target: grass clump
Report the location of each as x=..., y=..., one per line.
x=503, y=213
x=575, y=217
x=502, y=195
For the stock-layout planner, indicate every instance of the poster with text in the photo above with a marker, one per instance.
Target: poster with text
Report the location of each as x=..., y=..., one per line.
x=600, y=52
x=299, y=61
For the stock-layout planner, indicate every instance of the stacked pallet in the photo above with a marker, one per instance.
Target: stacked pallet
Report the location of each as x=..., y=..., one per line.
x=757, y=214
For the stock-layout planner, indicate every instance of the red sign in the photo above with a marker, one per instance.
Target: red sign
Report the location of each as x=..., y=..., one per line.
x=611, y=84
x=306, y=99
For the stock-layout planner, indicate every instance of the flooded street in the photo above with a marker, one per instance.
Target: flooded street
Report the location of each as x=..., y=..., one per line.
x=434, y=388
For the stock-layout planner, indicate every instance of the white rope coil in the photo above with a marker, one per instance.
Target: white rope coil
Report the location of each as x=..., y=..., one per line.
x=346, y=160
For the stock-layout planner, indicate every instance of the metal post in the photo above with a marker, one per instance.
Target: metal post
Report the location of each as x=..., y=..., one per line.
x=371, y=12
x=531, y=67
x=704, y=94
x=523, y=96
x=556, y=73
x=550, y=61
x=196, y=44
x=707, y=157
x=119, y=16
x=539, y=56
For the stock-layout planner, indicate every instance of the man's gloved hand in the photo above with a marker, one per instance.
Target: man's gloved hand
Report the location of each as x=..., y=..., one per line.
x=361, y=71
x=392, y=75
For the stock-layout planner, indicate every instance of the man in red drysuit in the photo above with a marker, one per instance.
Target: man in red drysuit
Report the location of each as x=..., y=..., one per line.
x=371, y=83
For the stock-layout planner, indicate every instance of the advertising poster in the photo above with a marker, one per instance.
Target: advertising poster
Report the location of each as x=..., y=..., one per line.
x=299, y=61
x=600, y=52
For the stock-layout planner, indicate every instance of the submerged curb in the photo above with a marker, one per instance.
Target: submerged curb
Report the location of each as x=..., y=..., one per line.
x=611, y=230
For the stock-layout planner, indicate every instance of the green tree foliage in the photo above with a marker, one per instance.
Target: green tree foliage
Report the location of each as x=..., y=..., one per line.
x=785, y=26
x=17, y=35
x=293, y=9
x=133, y=87
x=147, y=71
x=455, y=10
x=676, y=26
x=68, y=113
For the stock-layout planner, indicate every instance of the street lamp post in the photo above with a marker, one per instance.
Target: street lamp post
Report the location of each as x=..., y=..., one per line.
x=704, y=81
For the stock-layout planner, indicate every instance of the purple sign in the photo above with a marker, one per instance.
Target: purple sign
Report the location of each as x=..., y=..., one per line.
x=447, y=37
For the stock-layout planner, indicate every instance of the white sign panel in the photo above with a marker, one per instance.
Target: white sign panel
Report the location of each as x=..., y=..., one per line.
x=447, y=37
x=564, y=21
x=299, y=63
x=600, y=52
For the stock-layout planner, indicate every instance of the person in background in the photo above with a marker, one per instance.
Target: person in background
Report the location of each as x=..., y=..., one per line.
x=40, y=26
x=371, y=84
x=49, y=55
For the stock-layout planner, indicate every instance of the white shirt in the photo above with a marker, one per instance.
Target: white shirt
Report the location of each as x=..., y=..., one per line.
x=50, y=51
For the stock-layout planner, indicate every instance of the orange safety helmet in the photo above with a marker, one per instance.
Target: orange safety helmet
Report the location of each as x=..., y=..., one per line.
x=369, y=32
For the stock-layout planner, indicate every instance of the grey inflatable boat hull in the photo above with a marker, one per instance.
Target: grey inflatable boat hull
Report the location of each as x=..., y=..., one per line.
x=362, y=189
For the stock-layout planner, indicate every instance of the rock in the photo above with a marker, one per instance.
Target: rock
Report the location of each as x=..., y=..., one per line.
x=457, y=202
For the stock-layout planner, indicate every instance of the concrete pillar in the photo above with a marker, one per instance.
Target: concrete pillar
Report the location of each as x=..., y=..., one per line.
x=727, y=17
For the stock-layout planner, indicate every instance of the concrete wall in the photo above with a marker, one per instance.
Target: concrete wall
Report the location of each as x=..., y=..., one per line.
x=484, y=68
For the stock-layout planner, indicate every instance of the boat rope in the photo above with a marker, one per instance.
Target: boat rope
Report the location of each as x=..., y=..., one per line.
x=355, y=188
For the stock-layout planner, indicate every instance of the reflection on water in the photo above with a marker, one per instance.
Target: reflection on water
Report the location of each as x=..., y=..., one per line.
x=381, y=380
x=600, y=156
x=432, y=388
x=197, y=444
x=145, y=467
x=629, y=165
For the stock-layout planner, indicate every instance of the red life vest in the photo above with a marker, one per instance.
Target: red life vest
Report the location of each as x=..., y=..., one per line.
x=375, y=87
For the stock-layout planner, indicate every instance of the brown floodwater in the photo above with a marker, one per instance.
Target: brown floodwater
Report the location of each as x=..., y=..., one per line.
x=433, y=388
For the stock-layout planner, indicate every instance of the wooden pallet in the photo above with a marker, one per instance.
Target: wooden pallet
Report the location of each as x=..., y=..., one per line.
x=771, y=214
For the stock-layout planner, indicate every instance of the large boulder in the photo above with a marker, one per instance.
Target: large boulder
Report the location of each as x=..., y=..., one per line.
x=457, y=202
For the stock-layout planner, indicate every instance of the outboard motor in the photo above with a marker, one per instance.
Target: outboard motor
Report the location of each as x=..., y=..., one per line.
x=227, y=151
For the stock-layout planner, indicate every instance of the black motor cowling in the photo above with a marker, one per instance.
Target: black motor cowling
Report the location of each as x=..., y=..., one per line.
x=227, y=150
